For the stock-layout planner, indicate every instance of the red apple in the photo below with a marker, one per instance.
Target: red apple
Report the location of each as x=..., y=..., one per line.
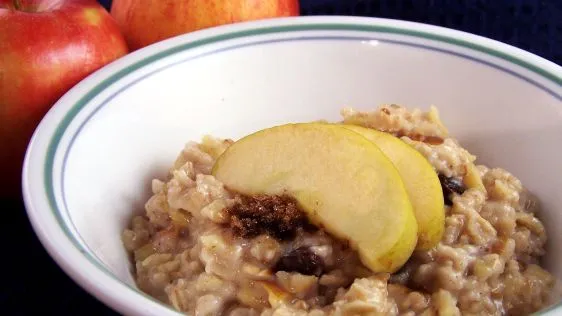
x=144, y=22
x=46, y=47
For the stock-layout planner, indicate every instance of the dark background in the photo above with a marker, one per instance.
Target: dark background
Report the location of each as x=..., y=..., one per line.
x=31, y=284
x=532, y=25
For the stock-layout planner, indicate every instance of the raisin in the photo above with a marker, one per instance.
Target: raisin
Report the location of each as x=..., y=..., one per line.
x=451, y=185
x=301, y=260
x=183, y=232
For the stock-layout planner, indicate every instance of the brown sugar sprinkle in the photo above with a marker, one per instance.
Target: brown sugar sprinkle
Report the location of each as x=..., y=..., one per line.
x=431, y=140
x=277, y=216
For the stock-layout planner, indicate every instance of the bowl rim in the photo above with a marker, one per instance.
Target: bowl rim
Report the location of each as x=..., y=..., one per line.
x=89, y=274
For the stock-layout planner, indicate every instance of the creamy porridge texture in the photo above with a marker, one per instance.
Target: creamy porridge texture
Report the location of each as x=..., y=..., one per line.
x=207, y=250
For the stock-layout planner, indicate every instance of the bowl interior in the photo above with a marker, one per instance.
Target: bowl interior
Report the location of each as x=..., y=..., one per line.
x=124, y=137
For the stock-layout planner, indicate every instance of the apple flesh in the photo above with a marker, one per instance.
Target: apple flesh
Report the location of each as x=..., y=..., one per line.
x=46, y=47
x=147, y=22
x=342, y=181
x=421, y=181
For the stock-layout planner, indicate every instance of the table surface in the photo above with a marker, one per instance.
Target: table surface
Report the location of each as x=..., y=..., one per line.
x=32, y=282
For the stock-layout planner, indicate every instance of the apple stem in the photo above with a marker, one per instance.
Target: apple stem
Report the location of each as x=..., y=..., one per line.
x=17, y=4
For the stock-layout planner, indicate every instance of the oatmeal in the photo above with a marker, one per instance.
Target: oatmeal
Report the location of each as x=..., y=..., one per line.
x=207, y=250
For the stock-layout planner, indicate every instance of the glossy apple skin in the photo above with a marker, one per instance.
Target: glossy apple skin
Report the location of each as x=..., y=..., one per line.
x=46, y=47
x=144, y=22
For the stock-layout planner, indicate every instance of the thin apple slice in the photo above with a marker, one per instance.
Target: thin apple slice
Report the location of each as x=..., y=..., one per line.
x=472, y=179
x=276, y=296
x=342, y=181
x=421, y=181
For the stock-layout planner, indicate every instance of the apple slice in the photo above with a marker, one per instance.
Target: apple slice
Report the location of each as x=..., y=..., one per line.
x=342, y=181
x=472, y=179
x=421, y=181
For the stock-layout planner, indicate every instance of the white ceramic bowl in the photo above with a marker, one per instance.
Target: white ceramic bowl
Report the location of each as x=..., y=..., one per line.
x=90, y=162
